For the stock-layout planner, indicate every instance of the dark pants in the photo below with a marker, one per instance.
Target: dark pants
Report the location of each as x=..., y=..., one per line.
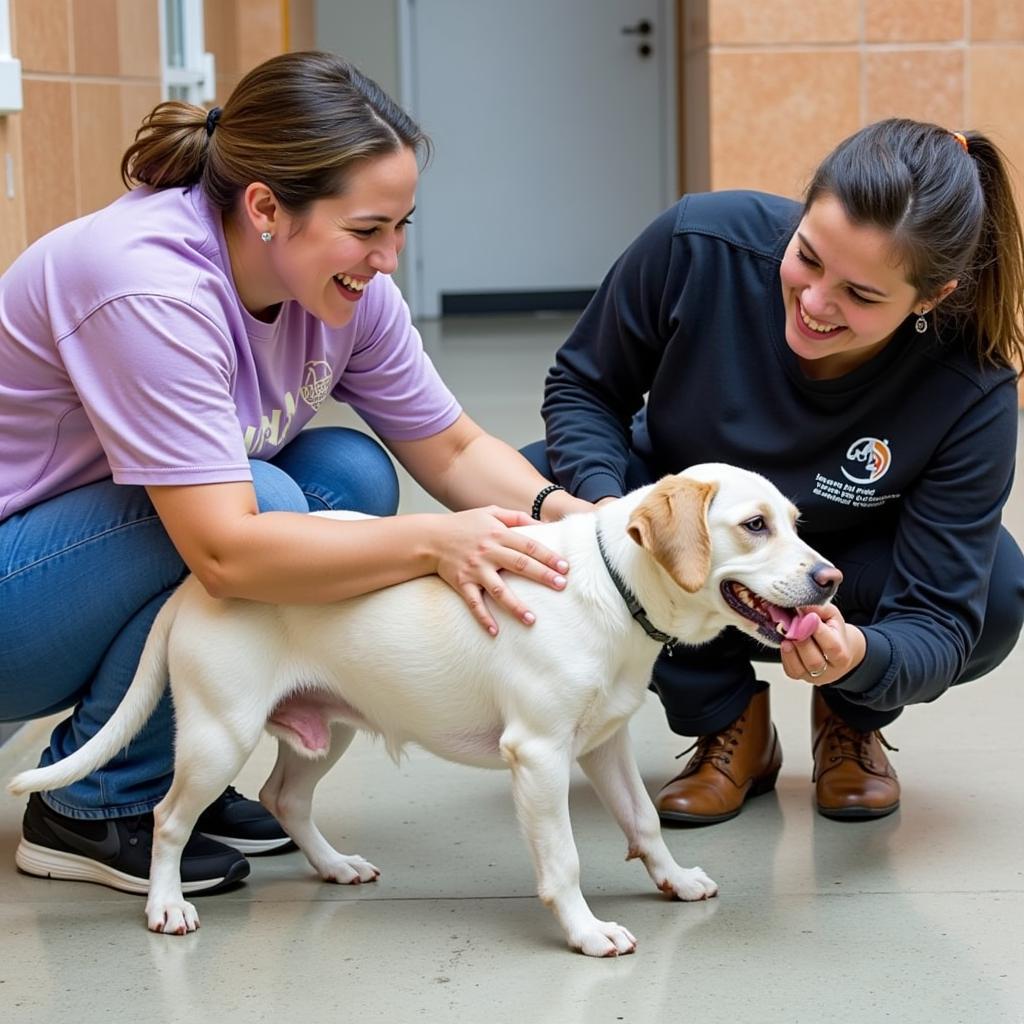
x=705, y=688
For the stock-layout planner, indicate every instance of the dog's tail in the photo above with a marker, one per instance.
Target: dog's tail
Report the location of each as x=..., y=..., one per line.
x=131, y=715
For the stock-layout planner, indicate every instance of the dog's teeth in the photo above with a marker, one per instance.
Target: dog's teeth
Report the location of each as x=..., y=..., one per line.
x=780, y=629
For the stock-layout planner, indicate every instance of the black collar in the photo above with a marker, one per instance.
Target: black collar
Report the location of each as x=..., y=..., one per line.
x=636, y=609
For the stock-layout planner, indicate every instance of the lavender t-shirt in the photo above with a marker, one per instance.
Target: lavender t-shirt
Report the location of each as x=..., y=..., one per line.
x=125, y=351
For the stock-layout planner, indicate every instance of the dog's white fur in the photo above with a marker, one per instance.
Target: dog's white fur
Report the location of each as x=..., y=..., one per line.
x=409, y=664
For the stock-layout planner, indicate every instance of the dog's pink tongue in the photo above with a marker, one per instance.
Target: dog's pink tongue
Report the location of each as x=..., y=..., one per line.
x=802, y=626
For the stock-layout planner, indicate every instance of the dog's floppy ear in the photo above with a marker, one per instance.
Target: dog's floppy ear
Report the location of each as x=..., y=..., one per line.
x=671, y=524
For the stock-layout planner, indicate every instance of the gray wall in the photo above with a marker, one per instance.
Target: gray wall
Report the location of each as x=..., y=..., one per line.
x=366, y=34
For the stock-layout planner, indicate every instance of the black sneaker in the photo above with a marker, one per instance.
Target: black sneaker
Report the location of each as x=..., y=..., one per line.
x=116, y=852
x=244, y=824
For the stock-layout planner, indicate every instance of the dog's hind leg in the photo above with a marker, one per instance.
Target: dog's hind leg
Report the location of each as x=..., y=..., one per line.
x=540, y=787
x=613, y=772
x=207, y=757
x=288, y=795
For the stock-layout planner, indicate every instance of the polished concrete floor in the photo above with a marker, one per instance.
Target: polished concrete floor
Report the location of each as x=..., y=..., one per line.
x=915, y=918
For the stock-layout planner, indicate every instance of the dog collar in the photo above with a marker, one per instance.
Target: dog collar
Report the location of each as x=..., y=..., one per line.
x=636, y=609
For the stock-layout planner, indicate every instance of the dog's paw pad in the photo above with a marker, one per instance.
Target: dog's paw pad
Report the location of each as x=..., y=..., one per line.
x=172, y=918
x=606, y=938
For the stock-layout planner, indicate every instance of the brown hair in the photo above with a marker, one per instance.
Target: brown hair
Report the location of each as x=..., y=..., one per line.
x=951, y=215
x=297, y=123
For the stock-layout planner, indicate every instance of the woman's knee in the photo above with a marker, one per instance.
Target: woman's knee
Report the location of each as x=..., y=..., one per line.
x=275, y=490
x=1004, y=611
x=638, y=473
x=341, y=468
x=536, y=453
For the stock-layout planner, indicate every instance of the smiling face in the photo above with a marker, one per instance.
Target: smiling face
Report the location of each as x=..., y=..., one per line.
x=324, y=258
x=844, y=290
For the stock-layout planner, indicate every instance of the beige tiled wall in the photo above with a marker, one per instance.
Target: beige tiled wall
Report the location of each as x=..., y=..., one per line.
x=778, y=85
x=90, y=69
x=243, y=33
x=12, y=212
x=90, y=73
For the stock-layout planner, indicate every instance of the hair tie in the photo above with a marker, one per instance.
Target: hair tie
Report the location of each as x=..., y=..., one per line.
x=961, y=138
x=211, y=120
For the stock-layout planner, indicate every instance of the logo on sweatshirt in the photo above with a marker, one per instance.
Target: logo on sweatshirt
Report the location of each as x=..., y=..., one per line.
x=869, y=459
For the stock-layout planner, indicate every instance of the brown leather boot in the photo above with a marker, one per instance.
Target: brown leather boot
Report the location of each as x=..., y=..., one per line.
x=854, y=779
x=728, y=767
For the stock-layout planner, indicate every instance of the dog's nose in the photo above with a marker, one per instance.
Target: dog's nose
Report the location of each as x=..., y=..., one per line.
x=827, y=577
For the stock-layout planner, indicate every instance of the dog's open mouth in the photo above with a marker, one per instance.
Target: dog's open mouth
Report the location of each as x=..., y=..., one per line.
x=773, y=622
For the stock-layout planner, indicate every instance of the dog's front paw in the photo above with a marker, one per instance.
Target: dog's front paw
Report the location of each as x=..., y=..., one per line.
x=604, y=938
x=689, y=884
x=177, y=918
x=353, y=870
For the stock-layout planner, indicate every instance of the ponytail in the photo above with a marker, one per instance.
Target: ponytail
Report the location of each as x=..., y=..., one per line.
x=999, y=260
x=170, y=148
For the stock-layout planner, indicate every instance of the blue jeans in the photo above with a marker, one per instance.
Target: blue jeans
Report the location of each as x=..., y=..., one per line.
x=82, y=576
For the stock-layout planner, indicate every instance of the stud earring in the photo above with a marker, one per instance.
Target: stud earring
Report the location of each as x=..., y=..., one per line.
x=921, y=324
x=265, y=236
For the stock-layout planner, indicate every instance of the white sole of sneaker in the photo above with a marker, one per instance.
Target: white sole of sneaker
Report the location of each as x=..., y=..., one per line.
x=250, y=846
x=43, y=862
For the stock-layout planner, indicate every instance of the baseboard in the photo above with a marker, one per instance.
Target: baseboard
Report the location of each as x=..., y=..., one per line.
x=477, y=303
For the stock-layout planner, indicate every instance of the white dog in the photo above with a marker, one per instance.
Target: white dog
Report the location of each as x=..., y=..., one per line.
x=683, y=558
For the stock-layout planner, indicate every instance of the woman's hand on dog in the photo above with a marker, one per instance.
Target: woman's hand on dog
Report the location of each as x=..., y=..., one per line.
x=473, y=547
x=829, y=653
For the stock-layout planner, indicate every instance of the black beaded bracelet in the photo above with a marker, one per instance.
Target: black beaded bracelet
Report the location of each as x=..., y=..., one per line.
x=541, y=495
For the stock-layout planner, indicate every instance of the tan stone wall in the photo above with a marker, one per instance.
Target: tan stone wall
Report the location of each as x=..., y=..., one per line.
x=91, y=69
x=244, y=33
x=784, y=82
x=90, y=73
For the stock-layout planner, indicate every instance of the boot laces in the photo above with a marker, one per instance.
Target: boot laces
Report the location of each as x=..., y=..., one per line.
x=845, y=742
x=715, y=746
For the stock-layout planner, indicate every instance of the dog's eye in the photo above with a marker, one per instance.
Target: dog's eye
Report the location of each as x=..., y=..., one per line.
x=756, y=525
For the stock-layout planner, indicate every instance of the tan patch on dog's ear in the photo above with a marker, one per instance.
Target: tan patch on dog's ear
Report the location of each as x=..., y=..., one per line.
x=671, y=524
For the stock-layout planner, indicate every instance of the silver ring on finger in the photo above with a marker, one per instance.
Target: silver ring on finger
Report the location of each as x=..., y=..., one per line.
x=821, y=671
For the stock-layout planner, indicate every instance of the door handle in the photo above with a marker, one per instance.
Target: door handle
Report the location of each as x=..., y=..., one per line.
x=642, y=28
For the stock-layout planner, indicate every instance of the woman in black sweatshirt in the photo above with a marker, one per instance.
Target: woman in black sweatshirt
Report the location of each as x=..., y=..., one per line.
x=862, y=352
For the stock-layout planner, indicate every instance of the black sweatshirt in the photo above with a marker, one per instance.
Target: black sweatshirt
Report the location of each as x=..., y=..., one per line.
x=917, y=443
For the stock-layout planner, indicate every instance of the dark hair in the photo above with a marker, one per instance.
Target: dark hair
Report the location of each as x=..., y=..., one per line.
x=951, y=215
x=298, y=122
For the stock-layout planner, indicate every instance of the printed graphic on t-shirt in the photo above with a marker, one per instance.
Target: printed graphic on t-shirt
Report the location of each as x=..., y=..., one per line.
x=274, y=425
x=316, y=383
x=867, y=460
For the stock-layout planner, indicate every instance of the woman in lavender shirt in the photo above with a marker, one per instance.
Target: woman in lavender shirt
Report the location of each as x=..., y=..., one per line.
x=158, y=360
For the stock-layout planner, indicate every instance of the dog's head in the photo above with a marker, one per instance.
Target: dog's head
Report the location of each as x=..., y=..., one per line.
x=728, y=537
